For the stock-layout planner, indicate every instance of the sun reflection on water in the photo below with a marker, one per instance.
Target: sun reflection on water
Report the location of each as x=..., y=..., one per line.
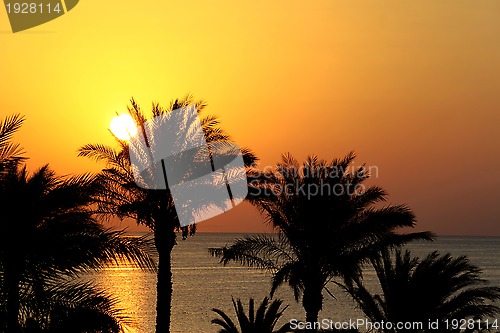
x=136, y=292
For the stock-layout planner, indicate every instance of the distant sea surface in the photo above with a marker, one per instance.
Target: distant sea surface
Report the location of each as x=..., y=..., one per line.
x=201, y=283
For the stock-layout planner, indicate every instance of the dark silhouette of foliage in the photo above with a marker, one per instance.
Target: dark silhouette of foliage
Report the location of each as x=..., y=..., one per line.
x=438, y=287
x=48, y=239
x=48, y=235
x=10, y=153
x=264, y=320
x=321, y=234
x=60, y=306
x=155, y=209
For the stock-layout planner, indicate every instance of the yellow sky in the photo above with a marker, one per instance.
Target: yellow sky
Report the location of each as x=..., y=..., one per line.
x=411, y=86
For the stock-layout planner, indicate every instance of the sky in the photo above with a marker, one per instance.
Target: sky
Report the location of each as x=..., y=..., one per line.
x=411, y=86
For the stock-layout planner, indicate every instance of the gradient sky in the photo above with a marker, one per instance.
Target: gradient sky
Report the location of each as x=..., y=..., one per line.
x=412, y=86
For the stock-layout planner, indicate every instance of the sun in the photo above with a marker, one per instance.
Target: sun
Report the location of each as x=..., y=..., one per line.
x=123, y=127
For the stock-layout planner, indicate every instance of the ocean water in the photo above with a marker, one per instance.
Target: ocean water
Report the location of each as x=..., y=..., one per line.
x=201, y=283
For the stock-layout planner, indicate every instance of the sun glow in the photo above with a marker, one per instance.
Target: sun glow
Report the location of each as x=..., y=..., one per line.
x=123, y=127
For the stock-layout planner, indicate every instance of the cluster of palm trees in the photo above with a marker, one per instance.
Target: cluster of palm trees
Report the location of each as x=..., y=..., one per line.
x=437, y=289
x=327, y=239
x=49, y=239
x=321, y=239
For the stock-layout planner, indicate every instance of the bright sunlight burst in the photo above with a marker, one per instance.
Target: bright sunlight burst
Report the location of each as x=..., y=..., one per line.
x=123, y=127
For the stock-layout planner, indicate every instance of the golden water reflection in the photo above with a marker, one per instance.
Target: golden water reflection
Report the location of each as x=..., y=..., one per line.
x=136, y=292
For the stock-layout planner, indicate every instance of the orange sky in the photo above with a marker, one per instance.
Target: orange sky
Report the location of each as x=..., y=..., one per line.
x=411, y=86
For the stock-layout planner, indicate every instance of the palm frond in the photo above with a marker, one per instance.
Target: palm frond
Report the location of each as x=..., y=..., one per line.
x=264, y=320
x=9, y=126
x=259, y=251
x=438, y=287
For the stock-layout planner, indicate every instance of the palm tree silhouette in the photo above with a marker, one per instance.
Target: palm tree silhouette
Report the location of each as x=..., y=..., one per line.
x=50, y=237
x=153, y=208
x=263, y=320
x=321, y=234
x=436, y=288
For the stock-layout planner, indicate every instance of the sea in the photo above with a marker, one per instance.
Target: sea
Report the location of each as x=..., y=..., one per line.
x=201, y=283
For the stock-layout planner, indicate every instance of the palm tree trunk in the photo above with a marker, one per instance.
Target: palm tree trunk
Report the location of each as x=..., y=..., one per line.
x=164, y=241
x=12, y=280
x=312, y=302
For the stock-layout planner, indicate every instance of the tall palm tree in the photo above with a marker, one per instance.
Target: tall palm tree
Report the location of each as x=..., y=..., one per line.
x=155, y=209
x=436, y=288
x=264, y=320
x=49, y=236
x=10, y=153
x=326, y=222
